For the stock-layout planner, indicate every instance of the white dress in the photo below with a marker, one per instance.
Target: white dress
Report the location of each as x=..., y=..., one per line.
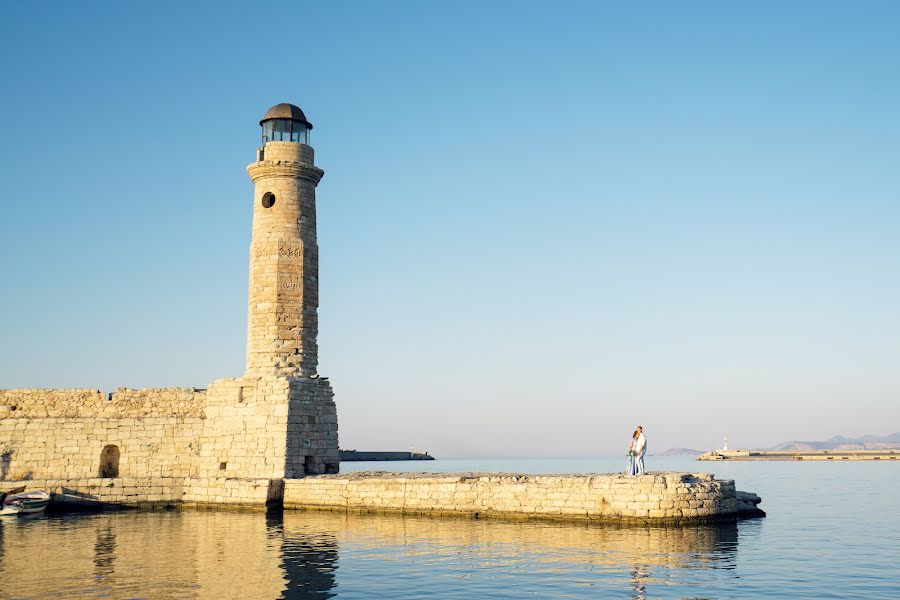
x=631, y=464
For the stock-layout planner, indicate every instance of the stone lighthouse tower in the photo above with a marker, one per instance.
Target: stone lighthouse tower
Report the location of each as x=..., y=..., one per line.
x=282, y=319
x=279, y=419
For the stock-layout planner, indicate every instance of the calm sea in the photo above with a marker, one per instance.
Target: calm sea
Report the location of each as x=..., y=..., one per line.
x=833, y=531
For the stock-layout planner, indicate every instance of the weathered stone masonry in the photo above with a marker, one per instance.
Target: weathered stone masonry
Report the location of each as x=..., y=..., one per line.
x=278, y=420
x=662, y=497
x=63, y=433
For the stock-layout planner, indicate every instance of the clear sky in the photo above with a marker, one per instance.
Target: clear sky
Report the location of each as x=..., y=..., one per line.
x=541, y=223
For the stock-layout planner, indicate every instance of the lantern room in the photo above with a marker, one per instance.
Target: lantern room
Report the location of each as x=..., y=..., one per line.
x=285, y=123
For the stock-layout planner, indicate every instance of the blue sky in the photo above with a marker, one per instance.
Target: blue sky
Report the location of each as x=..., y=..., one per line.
x=540, y=223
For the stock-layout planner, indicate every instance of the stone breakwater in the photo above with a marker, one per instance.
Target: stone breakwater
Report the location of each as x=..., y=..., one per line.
x=882, y=454
x=155, y=492
x=662, y=498
x=658, y=497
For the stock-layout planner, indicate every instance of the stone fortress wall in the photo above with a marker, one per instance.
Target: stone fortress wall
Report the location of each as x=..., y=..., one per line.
x=87, y=403
x=251, y=428
x=82, y=433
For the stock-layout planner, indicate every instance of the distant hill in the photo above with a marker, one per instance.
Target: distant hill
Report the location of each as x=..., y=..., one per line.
x=840, y=442
x=680, y=452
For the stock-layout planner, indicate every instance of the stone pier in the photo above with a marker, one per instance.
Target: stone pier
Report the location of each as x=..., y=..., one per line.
x=658, y=497
x=663, y=498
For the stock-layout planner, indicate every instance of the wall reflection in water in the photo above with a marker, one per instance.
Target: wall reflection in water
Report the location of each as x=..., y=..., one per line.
x=299, y=555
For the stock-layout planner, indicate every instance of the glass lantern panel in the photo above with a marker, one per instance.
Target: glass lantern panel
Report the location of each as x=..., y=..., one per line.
x=268, y=131
x=299, y=133
x=282, y=130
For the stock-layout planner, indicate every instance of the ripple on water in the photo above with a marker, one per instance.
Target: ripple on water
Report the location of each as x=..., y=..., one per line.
x=823, y=539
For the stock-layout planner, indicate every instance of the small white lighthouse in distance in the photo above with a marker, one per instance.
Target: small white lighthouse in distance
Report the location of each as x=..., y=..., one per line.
x=725, y=447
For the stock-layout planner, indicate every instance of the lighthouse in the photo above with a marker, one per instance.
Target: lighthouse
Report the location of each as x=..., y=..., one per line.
x=283, y=299
x=278, y=420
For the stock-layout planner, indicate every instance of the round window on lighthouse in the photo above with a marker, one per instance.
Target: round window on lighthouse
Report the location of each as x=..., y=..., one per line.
x=268, y=200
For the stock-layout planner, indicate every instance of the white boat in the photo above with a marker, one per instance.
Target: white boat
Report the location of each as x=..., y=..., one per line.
x=19, y=502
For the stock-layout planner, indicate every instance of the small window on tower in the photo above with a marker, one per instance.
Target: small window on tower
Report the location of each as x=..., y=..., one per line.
x=268, y=200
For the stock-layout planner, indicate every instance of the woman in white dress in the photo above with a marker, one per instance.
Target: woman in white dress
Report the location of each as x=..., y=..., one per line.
x=631, y=466
x=640, y=449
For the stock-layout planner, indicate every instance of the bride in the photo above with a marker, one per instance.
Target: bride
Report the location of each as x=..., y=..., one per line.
x=631, y=467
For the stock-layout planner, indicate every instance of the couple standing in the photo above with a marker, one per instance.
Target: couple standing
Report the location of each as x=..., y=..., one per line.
x=636, y=452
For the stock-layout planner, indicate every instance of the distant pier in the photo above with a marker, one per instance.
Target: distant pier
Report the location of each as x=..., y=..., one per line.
x=356, y=455
x=891, y=454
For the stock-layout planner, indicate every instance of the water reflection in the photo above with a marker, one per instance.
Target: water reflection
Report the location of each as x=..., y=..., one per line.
x=639, y=573
x=104, y=552
x=308, y=559
x=305, y=555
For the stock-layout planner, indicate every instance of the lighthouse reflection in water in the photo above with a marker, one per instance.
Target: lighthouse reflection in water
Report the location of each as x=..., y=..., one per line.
x=208, y=554
x=831, y=531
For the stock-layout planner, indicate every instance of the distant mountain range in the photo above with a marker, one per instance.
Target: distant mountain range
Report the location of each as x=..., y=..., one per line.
x=680, y=452
x=840, y=442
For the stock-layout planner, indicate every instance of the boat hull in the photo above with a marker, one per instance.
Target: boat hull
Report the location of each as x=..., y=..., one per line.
x=27, y=503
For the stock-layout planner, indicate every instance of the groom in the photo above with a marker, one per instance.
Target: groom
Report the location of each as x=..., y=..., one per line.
x=640, y=448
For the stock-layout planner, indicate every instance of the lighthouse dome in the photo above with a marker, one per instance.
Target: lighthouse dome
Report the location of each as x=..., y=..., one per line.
x=288, y=112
